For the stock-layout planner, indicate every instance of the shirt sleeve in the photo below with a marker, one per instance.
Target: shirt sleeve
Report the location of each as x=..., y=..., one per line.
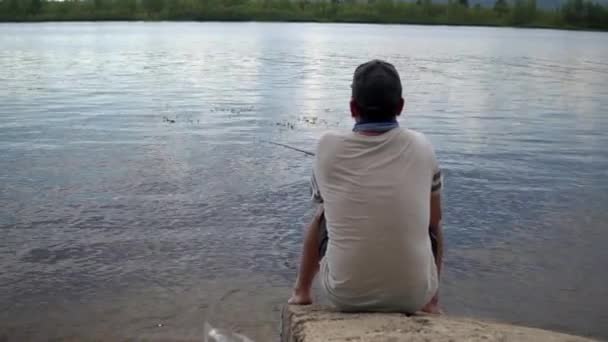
x=437, y=181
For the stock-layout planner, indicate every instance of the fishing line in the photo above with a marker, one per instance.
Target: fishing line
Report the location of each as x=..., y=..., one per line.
x=308, y=153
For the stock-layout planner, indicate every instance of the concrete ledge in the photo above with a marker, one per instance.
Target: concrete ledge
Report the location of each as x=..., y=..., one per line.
x=320, y=324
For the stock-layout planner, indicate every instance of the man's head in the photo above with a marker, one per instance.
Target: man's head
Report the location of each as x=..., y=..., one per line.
x=376, y=95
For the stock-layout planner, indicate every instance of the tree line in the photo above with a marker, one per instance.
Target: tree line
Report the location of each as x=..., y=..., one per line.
x=575, y=14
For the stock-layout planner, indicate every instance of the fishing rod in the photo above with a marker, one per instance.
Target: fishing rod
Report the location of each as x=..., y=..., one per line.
x=290, y=147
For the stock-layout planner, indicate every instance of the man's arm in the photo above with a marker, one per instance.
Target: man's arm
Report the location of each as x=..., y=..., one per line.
x=436, y=234
x=309, y=262
x=311, y=256
x=435, y=229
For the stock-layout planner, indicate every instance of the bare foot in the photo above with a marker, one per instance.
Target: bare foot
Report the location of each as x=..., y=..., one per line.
x=432, y=308
x=300, y=298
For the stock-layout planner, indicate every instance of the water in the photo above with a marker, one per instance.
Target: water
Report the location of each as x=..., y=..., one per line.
x=118, y=222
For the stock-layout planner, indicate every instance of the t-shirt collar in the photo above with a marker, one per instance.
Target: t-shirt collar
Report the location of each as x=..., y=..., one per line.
x=376, y=127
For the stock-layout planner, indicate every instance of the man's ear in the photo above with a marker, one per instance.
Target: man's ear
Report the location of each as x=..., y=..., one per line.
x=354, y=109
x=400, y=107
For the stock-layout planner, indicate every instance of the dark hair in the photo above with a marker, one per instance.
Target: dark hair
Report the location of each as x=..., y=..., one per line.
x=376, y=90
x=386, y=112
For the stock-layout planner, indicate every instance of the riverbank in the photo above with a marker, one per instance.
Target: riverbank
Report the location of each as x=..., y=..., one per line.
x=575, y=14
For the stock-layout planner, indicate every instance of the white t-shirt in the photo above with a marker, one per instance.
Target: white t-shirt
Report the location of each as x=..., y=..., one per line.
x=376, y=193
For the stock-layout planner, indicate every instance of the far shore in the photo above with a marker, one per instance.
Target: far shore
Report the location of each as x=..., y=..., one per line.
x=571, y=15
x=136, y=20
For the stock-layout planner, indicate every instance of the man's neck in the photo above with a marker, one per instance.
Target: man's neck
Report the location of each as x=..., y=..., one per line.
x=375, y=128
x=369, y=133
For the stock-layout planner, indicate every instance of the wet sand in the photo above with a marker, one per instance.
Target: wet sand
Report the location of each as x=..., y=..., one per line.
x=250, y=306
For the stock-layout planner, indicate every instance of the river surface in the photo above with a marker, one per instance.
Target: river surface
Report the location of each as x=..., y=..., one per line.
x=138, y=197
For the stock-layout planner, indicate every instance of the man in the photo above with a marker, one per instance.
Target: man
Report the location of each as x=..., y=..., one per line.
x=376, y=237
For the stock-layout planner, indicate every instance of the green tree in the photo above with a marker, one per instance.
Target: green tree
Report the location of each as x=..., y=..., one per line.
x=35, y=6
x=501, y=7
x=14, y=6
x=173, y=8
x=303, y=4
x=596, y=15
x=464, y=3
x=572, y=11
x=129, y=6
x=582, y=13
x=524, y=12
x=531, y=10
x=385, y=7
x=153, y=6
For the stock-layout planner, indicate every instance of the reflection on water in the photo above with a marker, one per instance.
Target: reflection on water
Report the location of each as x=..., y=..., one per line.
x=136, y=189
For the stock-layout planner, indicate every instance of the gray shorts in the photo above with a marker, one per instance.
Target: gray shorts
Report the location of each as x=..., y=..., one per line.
x=323, y=237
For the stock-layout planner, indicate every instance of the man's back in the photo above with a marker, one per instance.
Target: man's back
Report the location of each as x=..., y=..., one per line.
x=376, y=192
